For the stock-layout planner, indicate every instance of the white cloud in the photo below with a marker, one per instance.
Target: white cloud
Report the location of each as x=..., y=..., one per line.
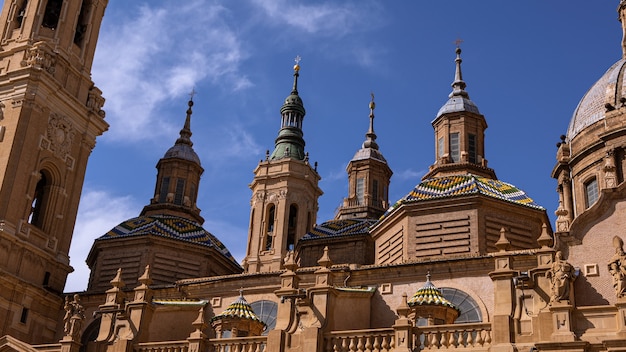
x=332, y=18
x=159, y=53
x=409, y=174
x=98, y=212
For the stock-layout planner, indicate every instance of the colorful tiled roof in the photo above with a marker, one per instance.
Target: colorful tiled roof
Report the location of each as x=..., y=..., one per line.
x=429, y=295
x=340, y=228
x=168, y=226
x=240, y=308
x=461, y=185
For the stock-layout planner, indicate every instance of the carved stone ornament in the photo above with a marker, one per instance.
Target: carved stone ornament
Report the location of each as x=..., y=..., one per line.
x=40, y=56
x=60, y=134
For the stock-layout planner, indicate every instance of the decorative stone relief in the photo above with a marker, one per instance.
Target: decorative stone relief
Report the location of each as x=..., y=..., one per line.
x=95, y=101
x=40, y=56
x=617, y=267
x=610, y=176
x=60, y=134
x=561, y=275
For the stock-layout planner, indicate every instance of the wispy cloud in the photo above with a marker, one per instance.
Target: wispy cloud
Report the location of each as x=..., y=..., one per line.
x=330, y=18
x=159, y=53
x=99, y=211
x=409, y=174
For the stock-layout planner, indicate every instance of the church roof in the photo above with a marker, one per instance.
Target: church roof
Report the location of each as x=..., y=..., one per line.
x=340, y=228
x=462, y=185
x=168, y=226
x=592, y=106
x=240, y=308
x=429, y=295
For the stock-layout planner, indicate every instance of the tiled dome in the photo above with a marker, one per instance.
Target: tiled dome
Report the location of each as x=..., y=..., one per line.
x=592, y=106
x=168, y=226
x=461, y=185
x=241, y=309
x=429, y=295
x=340, y=228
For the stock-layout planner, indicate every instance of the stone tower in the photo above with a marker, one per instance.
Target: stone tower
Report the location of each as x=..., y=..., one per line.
x=50, y=116
x=284, y=192
x=368, y=176
x=459, y=134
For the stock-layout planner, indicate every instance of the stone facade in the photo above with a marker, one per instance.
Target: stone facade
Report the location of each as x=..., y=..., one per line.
x=461, y=246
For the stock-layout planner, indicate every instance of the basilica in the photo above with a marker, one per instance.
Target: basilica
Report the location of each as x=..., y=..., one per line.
x=464, y=261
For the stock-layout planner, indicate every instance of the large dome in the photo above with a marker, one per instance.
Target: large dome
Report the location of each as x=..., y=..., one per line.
x=592, y=107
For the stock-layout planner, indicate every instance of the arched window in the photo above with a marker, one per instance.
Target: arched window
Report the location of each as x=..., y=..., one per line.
x=591, y=192
x=271, y=214
x=292, y=227
x=266, y=311
x=469, y=309
x=37, y=206
x=52, y=14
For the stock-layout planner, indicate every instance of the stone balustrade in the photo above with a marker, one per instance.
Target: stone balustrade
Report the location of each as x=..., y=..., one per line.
x=471, y=336
x=371, y=340
x=239, y=344
x=166, y=346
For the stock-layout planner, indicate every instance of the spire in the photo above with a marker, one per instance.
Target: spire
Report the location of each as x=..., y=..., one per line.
x=185, y=132
x=370, y=141
x=458, y=86
x=289, y=143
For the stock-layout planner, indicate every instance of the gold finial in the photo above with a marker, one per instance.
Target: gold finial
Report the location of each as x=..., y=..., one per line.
x=296, y=67
x=372, y=104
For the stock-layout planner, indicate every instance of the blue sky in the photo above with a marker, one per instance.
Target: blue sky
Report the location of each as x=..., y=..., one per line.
x=526, y=65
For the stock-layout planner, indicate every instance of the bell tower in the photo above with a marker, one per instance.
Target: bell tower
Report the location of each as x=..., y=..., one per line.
x=284, y=192
x=50, y=115
x=369, y=176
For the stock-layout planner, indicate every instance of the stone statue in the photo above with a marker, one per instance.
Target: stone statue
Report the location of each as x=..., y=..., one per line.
x=561, y=274
x=73, y=318
x=617, y=267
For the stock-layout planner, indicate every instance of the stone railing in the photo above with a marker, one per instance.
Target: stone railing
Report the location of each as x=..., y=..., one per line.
x=166, y=346
x=374, y=340
x=56, y=347
x=239, y=344
x=456, y=336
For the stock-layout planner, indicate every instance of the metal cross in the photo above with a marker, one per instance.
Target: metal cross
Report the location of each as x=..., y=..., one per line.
x=458, y=42
x=298, y=58
x=192, y=93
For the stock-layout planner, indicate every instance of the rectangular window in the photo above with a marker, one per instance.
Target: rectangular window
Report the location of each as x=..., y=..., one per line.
x=165, y=185
x=375, y=191
x=471, y=148
x=180, y=191
x=440, y=148
x=360, y=190
x=454, y=147
x=591, y=192
x=24, y=316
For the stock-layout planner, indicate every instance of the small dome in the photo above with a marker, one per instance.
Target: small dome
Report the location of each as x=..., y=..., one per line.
x=241, y=309
x=182, y=151
x=456, y=104
x=592, y=106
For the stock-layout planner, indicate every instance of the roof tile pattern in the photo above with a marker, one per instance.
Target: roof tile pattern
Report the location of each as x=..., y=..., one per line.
x=429, y=295
x=168, y=226
x=240, y=308
x=461, y=185
x=340, y=228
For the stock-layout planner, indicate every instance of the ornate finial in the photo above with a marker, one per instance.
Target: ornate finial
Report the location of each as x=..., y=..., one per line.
x=185, y=132
x=241, y=292
x=428, y=276
x=458, y=86
x=370, y=136
x=296, y=67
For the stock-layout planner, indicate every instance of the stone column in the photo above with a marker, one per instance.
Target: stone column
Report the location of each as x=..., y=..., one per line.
x=504, y=304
